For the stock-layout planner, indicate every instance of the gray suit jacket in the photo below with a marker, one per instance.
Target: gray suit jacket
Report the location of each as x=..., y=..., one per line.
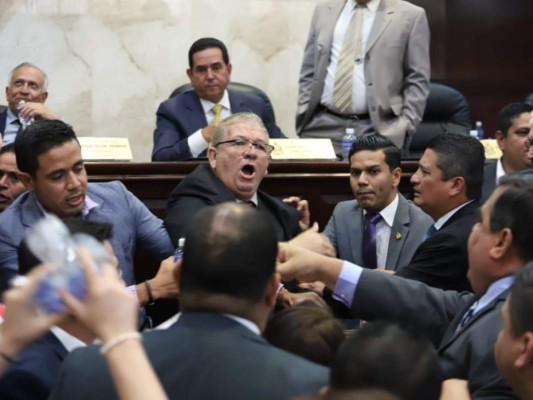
x=468, y=354
x=397, y=66
x=345, y=232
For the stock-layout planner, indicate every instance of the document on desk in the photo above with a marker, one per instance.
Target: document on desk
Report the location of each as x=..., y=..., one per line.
x=302, y=149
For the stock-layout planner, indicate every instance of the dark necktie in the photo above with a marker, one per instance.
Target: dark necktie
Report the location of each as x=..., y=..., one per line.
x=369, y=241
x=466, y=318
x=431, y=231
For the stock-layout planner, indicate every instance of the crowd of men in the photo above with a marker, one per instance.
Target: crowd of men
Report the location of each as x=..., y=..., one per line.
x=444, y=282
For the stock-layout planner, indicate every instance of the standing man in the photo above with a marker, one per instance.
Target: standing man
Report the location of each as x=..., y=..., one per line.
x=391, y=240
x=185, y=122
x=28, y=84
x=366, y=65
x=513, y=130
x=10, y=184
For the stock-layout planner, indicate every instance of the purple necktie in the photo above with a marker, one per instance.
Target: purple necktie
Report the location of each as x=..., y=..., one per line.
x=369, y=241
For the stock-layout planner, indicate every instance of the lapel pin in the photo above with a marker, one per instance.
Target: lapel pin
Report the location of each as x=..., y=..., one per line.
x=398, y=235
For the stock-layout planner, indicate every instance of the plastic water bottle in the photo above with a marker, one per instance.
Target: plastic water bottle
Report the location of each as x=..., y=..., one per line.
x=27, y=121
x=479, y=130
x=178, y=254
x=347, y=141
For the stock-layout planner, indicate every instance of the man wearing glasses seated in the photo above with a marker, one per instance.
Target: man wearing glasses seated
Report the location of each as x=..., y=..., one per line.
x=239, y=156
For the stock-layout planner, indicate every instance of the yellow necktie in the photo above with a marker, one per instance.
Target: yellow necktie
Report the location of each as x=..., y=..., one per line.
x=349, y=55
x=217, y=110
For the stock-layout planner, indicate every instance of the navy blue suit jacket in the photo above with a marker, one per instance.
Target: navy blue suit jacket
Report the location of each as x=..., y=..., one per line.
x=182, y=115
x=35, y=372
x=201, y=356
x=3, y=117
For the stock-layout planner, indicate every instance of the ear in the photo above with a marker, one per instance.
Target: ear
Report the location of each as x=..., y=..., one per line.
x=396, y=176
x=272, y=290
x=45, y=96
x=457, y=185
x=26, y=180
x=189, y=73
x=500, y=139
x=212, y=156
x=229, y=68
x=503, y=245
x=266, y=172
x=526, y=351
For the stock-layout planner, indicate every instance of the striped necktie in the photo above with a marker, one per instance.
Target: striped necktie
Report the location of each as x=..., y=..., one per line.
x=351, y=52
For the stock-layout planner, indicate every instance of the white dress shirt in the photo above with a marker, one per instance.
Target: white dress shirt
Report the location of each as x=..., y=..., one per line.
x=196, y=141
x=383, y=230
x=359, y=105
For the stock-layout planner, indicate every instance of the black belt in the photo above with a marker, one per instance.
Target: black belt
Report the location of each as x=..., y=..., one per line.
x=347, y=116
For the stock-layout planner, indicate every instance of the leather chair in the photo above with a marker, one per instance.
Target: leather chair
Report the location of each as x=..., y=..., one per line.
x=446, y=111
x=238, y=87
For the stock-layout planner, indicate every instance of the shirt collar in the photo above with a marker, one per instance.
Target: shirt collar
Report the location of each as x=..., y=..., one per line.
x=388, y=212
x=67, y=340
x=442, y=220
x=494, y=290
x=208, y=105
x=243, y=321
x=253, y=200
x=372, y=5
x=499, y=170
x=11, y=117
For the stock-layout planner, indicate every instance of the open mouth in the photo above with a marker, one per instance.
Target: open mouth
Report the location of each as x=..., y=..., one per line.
x=248, y=170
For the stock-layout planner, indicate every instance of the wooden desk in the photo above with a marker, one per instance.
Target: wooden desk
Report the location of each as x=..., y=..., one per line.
x=323, y=184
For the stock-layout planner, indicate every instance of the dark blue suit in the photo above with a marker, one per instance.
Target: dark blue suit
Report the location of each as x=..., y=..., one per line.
x=182, y=115
x=35, y=372
x=3, y=117
x=201, y=356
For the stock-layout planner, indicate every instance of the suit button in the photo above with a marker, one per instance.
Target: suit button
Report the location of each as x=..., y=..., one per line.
x=370, y=84
x=373, y=109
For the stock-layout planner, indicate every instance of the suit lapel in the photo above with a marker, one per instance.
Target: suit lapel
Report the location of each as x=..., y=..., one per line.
x=383, y=17
x=328, y=27
x=451, y=335
x=31, y=211
x=398, y=234
x=193, y=105
x=468, y=209
x=355, y=232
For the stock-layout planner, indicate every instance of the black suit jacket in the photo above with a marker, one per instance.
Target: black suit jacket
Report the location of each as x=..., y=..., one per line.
x=3, y=117
x=489, y=180
x=442, y=260
x=36, y=370
x=201, y=188
x=182, y=115
x=468, y=354
x=201, y=356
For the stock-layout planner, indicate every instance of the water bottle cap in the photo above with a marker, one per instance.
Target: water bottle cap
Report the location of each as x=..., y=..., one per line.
x=479, y=123
x=181, y=242
x=350, y=131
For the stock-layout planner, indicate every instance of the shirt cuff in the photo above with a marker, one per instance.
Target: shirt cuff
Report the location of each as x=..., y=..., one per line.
x=133, y=290
x=347, y=283
x=197, y=143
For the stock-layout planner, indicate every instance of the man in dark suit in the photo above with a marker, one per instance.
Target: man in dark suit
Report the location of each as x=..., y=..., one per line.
x=463, y=325
x=228, y=286
x=25, y=95
x=512, y=132
x=185, y=122
x=447, y=186
x=11, y=186
x=374, y=177
x=382, y=86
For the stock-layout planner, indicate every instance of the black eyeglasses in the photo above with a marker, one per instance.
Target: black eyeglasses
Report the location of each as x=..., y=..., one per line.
x=243, y=144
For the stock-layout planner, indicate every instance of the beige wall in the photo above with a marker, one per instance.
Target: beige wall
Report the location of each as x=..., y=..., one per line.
x=111, y=62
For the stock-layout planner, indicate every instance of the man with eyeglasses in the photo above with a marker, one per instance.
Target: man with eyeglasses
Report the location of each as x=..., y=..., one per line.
x=10, y=185
x=239, y=156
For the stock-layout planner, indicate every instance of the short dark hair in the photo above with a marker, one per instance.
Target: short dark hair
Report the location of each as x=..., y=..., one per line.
x=375, y=141
x=460, y=155
x=366, y=359
x=230, y=249
x=520, y=301
x=508, y=113
x=307, y=330
x=207, y=43
x=101, y=231
x=513, y=209
x=7, y=148
x=37, y=139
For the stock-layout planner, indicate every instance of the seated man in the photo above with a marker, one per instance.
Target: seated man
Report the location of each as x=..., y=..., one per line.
x=10, y=185
x=374, y=177
x=512, y=132
x=27, y=84
x=228, y=286
x=51, y=167
x=185, y=122
x=464, y=326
